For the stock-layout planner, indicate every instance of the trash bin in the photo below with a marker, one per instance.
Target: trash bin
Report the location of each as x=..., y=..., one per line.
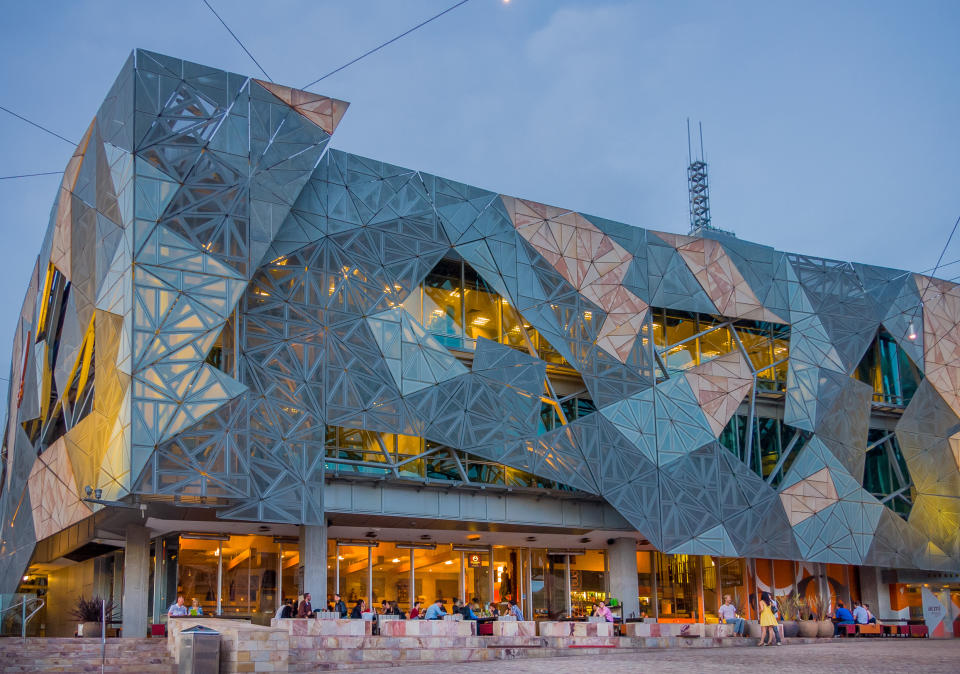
x=199, y=650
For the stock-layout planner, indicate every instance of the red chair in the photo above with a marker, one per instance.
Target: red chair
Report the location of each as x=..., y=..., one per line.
x=919, y=631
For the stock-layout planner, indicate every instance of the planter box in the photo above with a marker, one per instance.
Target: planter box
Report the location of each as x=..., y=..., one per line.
x=603, y=629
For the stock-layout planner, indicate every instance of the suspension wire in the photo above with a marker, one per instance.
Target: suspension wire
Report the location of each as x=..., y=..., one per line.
x=42, y=128
x=30, y=175
x=939, y=259
x=234, y=35
x=388, y=42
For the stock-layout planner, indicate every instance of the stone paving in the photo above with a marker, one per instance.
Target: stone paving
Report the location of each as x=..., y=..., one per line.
x=860, y=656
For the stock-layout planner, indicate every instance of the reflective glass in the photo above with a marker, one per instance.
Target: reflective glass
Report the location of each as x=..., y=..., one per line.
x=443, y=303
x=677, y=585
x=482, y=307
x=587, y=581
x=250, y=566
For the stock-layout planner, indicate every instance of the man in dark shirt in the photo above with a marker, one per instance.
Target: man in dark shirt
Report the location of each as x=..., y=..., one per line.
x=339, y=605
x=305, y=609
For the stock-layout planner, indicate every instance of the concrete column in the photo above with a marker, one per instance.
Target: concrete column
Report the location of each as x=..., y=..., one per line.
x=136, y=581
x=313, y=560
x=622, y=559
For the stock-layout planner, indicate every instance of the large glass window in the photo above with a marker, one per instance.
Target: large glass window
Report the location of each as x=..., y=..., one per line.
x=772, y=448
x=443, y=303
x=250, y=565
x=548, y=585
x=391, y=574
x=645, y=582
x=885, y=473
x=199, y=561
x=438, y=574
x=353, y=561
x=588, y=575
x=731, y=579
x=888, y=369
x=677, y=586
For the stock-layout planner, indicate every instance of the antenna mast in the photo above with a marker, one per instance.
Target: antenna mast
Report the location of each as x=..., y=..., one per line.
x=698, y=187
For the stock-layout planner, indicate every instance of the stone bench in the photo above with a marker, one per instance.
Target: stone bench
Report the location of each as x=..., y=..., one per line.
x=669, y=629
x=334, y=627
x=552, y=628
x=428, y=628
x=514, y=628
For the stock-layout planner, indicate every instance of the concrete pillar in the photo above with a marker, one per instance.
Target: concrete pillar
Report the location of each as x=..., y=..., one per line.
x=136, y=581
x=622, y=559
x=313, y=561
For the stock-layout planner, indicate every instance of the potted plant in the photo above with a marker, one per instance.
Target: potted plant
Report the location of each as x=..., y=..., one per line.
x=90, y=613
x=806, y=628
x=820, y=607
x=791, y=610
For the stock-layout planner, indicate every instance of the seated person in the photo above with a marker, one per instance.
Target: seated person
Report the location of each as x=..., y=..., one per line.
x=841, y=616
x=436, y=611
x=195, y=608
x=395, y=609
x=602, y=610
x=358, y=610
x=177, y=608
x=860, y=615
x=872, y=619
x=305, y=609
x=467, y=612
x=515, y=610
x=494, y=611
x=728, y=615
x=415, y=612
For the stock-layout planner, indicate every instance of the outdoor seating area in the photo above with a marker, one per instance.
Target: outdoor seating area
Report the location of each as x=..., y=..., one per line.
x=878, y=630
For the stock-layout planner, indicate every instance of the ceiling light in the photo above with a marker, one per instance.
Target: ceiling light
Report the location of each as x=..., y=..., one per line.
x=395, y=560
x=449, y=561
x=911, y=332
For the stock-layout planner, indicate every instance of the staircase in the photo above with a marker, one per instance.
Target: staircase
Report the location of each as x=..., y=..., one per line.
x=38, y=654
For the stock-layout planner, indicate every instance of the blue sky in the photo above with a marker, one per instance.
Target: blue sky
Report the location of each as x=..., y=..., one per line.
x=830, y=128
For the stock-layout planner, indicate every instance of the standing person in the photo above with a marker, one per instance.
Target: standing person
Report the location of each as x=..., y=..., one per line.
x=415, y=611
x=305, y=610
x=728, y=615
x=515, y=610
x=358, y=609
x=339, y=605
x=768, y=622
x=778, y=630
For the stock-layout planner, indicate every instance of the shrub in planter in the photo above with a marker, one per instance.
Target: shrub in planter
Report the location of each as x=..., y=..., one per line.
x=90, y=612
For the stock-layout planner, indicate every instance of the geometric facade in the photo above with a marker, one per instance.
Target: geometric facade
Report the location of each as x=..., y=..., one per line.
x=218, y=293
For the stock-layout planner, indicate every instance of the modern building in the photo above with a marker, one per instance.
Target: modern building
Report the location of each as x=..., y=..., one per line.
x=248, y=365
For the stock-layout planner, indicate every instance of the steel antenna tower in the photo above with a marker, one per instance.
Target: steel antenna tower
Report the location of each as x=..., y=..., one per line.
x=698, y=186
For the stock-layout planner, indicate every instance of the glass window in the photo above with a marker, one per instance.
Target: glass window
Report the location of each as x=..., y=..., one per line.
x=731, y=580
x=198, y=573
x=680, y=326
x=548, y=585
x=438, y=574
x=888, y=369
x=711, y=597
x=677, y=586
x=353, y=573
x=250, y=565
x=391, y=575
x=588, y=575
x=885, y=472
x=482, y=306
x=443, y=303
x=645, y=582
x=477, y=578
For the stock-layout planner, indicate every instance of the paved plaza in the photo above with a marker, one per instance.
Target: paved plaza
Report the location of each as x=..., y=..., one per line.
x=867, y=656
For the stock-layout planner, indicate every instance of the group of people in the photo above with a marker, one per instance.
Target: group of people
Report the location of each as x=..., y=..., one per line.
x=179, y=608
x=861, y=615
x=301, y=607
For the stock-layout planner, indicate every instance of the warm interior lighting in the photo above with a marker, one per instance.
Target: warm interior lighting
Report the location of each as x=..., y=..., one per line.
x=26, y=578
x=395, y=560
x=340, y=557
x=449, y=561
x=480, y=321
